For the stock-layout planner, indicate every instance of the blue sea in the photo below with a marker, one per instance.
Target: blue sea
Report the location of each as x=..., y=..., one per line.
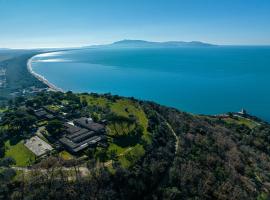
x=203, y=80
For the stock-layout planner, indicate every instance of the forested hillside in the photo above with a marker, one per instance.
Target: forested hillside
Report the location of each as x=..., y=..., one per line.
x=217, y=159
x=189, y=157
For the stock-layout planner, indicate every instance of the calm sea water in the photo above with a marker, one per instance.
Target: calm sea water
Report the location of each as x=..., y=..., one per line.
x=199, y=80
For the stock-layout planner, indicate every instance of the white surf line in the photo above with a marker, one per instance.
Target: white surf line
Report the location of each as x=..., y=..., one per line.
x=41, y=78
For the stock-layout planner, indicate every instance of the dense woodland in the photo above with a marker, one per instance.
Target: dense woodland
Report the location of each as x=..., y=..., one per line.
x=218, y=160
x=213, y=160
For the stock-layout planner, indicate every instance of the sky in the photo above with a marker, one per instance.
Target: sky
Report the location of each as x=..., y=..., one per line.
x=70, y=23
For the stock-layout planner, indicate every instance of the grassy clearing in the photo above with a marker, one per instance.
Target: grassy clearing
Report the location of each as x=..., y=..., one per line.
x=122, y=128
x=114, y=147
x=127, y=107
x=131, y=156
x=235, y=120
x=128, y=153
x=42, y=123
x=97, y=101
x=23, y=156
x=54, y=108
x=122, y=107
x=65, y=155
x=241, y=121
x=3, y=109
x=127, y=156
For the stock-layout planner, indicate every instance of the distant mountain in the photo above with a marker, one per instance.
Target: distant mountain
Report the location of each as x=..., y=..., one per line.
x=134, y=43
x=143, y=43
x=148, y=44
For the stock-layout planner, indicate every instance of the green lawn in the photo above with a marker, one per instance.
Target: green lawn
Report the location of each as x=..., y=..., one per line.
x=114, y=147
x=122, y=128
x=127, y=154
x=22, y=155
x=54, y=108
x=98, y=101
x=122, y=107
x=65, y=155
x=131, y=156
x=127, y=107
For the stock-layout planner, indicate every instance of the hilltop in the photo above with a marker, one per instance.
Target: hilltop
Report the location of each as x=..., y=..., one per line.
x=151, y=151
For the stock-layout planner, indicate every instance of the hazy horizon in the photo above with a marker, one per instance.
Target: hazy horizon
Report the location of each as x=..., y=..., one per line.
x=32, y=24
x=101, y=44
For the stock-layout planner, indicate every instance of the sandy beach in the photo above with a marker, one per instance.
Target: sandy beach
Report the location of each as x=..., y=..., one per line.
x=42, y=78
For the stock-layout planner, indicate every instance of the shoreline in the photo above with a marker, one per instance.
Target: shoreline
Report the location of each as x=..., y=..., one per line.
x=41, y=78
x=52, y=87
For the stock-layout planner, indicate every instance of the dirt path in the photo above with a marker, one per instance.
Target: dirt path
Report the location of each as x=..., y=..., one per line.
x=83, y=170
x=127, y=150
x=176, y=137
x=177, y=141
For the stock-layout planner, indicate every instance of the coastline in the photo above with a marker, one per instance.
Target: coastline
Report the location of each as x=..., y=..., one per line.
x=41, y=78
x=53, y=87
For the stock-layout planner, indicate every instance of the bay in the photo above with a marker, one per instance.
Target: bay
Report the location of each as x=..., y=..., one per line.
x=205, y=80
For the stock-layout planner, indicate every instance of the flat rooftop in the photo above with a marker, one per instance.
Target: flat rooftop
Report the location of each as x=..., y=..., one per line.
x=89, y=124
x=76, y=147
x=38, y=146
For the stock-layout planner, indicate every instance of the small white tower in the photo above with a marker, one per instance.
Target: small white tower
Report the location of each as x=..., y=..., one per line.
x=243, y=112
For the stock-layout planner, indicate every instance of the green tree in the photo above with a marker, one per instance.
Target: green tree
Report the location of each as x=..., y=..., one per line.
x=101, y=155
x=84, y=103
x=55, y=127
x=19, y=122
x=95, y=116
x=7, y=161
